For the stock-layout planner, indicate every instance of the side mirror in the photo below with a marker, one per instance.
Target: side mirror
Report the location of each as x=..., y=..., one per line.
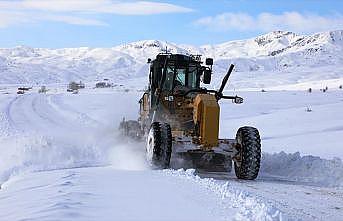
x=209, y=61
x=149, y=60
x=206, y=77
x=238, y=100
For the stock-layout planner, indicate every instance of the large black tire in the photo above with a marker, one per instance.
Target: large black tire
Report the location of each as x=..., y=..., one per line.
x=159, y=145
x=247, y=165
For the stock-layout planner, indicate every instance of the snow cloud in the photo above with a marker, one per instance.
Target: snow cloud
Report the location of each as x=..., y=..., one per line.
x=78, y=12
x=290, y=21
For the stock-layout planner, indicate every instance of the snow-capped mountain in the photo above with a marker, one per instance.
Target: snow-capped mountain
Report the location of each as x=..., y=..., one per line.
x=274, y=58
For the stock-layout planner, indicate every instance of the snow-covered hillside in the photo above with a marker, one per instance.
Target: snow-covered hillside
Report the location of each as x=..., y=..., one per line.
x=276, y=58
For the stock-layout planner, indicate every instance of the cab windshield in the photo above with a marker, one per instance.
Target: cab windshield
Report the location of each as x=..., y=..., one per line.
x=181, y=78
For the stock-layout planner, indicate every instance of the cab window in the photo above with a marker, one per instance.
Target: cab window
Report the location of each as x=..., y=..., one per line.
x=168, y=82
x=180, y=79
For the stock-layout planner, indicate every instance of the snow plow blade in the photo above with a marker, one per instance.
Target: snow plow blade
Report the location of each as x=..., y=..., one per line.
x=202, y=161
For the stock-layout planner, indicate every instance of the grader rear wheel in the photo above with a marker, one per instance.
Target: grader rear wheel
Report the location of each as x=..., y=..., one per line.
x=159, y=145
x=247, y=165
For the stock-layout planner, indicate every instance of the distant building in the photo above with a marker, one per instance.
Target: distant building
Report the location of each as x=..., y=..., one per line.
x=103, y=84
x=75, y=86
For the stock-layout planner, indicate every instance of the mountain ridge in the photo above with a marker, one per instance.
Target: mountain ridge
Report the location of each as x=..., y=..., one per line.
x=278, y=51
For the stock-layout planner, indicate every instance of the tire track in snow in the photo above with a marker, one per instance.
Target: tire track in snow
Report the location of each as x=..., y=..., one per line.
x=37, y=105
x=56, y=103
x=36, y=112
x=25, y=117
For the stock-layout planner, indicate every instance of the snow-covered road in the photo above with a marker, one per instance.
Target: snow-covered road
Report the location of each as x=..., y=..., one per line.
x=105, y=193
x=61, y=160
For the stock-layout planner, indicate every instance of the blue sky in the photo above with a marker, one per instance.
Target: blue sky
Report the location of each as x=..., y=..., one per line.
x=106, y=23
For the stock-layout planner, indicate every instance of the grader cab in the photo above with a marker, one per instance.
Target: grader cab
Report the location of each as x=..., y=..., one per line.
x=180, y=118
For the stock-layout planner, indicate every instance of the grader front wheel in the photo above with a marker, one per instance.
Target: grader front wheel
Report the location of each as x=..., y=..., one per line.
x=159, y=145
x=247, y=163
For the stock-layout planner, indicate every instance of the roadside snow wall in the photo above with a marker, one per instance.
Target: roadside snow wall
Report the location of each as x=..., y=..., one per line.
x=307, y=169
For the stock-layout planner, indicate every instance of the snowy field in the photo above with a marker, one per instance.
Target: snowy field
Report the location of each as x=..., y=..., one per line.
x=61, y=159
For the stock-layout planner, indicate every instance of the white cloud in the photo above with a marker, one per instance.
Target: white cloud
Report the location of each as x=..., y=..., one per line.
x=78, y=12
x=105, y=6
x=290, y=21
x=72, y=20
x=10, y=18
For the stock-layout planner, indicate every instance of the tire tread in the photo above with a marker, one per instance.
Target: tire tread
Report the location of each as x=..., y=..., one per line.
x=250, y=153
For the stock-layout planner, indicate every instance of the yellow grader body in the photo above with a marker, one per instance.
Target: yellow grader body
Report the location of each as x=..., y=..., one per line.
x=206, y=115
x=180, y=120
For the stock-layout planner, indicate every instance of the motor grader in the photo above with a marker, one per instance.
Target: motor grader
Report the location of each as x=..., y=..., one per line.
x=179, y=117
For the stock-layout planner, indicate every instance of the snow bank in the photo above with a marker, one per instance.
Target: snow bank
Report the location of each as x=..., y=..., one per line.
x=250, y=208
x=308, y=169
x=30, y=152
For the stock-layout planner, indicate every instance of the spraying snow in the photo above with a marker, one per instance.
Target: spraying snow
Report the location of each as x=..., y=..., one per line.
x=29, y=153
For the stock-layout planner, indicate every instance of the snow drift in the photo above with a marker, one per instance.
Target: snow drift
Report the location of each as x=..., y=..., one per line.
x=307, y=169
